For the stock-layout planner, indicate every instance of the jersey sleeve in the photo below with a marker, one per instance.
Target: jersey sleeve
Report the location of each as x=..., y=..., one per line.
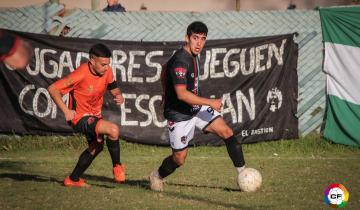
x=110, y=76
x=177, y=73
x=110, y=80
x=66, y=84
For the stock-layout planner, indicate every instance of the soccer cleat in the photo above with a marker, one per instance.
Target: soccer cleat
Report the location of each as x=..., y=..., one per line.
x=70, y=183
x=119, y=173
x=156, y=182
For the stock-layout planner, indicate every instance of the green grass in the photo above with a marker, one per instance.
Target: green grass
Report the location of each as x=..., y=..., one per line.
x=295, y=174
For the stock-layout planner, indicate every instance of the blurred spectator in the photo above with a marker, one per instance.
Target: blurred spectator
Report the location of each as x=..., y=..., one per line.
x=143, y=7
x=14, y=51
x=291, y=6
x=65, y=31
x=114, y=6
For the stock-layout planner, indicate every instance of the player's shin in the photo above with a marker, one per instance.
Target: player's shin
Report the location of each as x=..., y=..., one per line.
x=114, y=150
x=83, y=163
x=167, y=167
x=235, y=152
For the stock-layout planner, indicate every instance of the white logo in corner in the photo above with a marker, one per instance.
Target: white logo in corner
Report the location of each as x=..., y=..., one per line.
x=274, y=98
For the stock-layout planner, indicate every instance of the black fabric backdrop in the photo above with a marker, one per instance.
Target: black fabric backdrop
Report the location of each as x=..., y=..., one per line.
x=256, y=77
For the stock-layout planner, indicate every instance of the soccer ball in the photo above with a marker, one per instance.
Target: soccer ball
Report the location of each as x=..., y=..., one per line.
x=249, y=180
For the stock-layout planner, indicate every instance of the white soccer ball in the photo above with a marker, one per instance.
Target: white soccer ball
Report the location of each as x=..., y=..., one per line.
x=249, y=180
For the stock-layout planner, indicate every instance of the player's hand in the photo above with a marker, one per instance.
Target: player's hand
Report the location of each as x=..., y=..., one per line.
x=216, y=104
x=119, y=99
x=69, y=115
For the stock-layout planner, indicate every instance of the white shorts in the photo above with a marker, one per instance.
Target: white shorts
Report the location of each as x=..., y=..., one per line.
x=180, y=133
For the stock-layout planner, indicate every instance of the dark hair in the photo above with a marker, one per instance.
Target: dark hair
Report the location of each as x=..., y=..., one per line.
x=197, y=27
x=100, y=50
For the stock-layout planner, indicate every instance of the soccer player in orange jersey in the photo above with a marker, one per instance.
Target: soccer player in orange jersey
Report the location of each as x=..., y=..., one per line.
x=87, y=85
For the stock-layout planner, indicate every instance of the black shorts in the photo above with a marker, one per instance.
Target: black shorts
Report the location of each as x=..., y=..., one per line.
x=87, y=126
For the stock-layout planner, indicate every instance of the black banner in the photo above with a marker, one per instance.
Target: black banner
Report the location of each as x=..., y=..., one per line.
x=255, y=77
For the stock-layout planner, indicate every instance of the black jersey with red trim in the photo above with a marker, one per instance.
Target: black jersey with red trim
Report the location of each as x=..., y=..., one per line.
x=181, y=69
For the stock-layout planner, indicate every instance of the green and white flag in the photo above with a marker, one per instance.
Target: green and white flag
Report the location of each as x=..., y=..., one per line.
x=341, y=34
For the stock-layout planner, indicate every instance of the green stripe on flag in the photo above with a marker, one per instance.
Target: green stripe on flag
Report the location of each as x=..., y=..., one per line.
x=341, y=25
x=342, y=122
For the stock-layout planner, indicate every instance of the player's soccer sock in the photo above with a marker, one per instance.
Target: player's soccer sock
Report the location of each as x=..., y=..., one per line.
x=235, y=151
x=114, y=150
x=240, y=169
x=167, y=167
x=83, y=163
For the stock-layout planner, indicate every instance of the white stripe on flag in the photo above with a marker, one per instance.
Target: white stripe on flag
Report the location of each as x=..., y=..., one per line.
x=342, y=64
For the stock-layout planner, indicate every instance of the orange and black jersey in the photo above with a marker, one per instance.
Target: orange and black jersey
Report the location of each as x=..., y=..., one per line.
x=86, y=91
x=181, y=69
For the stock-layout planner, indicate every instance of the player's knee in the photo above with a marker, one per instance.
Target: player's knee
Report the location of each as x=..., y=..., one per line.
x=179, y=159
x=226, y=132
x=114, y=131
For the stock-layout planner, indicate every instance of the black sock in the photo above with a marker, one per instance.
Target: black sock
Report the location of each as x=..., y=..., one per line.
x=114, y=150
x=83, y=163
x=167, y=167
x=235, y=151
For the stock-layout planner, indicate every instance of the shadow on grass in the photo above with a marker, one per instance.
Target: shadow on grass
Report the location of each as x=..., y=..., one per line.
x=144, y=183
x=39, y=178
x=192, y=197
x=12, y=165
x=139, y=183
x=210, y=201
x=205, y=186
x=29, y=177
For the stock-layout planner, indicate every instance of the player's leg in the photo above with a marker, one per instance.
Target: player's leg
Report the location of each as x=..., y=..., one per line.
x=211, y=121
x=111, y=130
x=86, y=126
x=172, y=162
x=234, y=148
x=180, y=134
x=85, y=160
x=167, y=167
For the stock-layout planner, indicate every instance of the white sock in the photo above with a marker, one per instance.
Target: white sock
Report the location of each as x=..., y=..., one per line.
x=157, y=174
x=240, y=169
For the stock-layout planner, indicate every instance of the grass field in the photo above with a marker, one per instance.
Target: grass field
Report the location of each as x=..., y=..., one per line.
x=295, y=175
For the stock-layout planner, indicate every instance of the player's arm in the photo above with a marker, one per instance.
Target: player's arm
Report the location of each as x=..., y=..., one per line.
x=178, y=76
x=190, y=98
x=116, y=93
x=60, y=88
x=114, y=89
x=57, y=97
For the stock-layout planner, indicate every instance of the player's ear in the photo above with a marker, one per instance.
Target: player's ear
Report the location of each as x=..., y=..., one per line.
x=91, y=60
x=187, y=39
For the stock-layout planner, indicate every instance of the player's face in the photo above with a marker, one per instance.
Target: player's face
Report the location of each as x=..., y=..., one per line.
x=100, y=65
x=112, y=2
x=195, y=43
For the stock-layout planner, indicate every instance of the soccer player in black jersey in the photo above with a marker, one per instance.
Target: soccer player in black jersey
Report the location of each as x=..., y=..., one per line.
x=185, y=109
